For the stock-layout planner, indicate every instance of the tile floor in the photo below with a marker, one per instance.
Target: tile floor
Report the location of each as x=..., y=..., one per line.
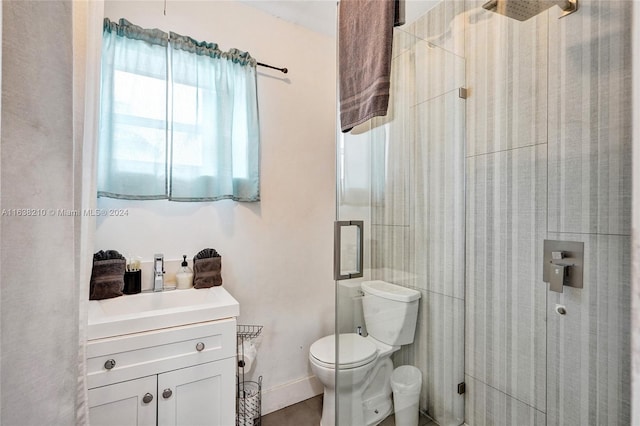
x=309, y=412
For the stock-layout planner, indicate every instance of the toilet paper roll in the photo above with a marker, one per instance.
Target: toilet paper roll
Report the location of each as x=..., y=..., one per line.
x=246, y=356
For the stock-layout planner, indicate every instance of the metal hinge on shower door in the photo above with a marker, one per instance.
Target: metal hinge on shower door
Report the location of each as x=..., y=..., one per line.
x=463, y=93
x=461, y=388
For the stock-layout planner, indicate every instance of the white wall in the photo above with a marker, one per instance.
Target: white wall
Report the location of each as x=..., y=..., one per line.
x=277, y=254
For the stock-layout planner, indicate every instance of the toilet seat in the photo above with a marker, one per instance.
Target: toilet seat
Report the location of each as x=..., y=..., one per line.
x=355, y=351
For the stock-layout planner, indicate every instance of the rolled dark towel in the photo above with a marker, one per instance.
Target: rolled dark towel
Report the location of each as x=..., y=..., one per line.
x=207, y=269
x=100, y=255
x=106, y=255
x=107, y=275
x=206, y=253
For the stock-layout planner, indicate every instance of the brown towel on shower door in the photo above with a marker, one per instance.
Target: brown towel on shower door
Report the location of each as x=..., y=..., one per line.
x=365, y=37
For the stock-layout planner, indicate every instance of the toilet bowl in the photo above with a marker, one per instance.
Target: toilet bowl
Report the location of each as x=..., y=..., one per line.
x=364, y=367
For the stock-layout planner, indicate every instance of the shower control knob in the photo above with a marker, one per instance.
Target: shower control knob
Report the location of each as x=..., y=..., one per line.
x=167, y=393
x=110, y=364
x=200, y=346
x=147, y=398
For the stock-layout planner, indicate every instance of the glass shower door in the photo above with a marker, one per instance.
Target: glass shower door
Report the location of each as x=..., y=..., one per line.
x=402, y=178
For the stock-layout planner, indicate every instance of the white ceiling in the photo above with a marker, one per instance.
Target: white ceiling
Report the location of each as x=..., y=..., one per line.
x=320, y=15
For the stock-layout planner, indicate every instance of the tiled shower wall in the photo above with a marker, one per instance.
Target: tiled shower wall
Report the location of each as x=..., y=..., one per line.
x=506, y=164
x=547, y=156
x=588, y=365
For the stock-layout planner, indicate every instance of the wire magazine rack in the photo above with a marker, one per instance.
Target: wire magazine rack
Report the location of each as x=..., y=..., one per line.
x=248, y=393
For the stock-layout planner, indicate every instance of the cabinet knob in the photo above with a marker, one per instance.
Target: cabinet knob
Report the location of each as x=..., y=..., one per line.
x=147, y=398
x=167, y=393
x=200, y=346
x=110, y=364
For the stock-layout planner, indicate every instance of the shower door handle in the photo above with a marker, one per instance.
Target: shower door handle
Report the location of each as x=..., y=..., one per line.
x=356, y=247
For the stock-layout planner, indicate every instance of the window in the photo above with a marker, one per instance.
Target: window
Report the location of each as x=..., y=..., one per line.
x=179, y=118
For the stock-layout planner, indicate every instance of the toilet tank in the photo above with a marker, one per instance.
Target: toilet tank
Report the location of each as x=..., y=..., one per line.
x=390, y=312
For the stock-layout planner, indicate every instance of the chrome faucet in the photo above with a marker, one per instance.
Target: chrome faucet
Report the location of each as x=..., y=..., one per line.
x=158, y=272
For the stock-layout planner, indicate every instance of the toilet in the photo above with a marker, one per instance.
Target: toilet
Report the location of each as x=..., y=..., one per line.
x=364, y=382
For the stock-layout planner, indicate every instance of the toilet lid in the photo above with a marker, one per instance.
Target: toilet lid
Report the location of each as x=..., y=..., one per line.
x=355, y=351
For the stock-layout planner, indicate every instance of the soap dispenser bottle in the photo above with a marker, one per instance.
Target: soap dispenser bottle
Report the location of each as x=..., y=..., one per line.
x=184, y=276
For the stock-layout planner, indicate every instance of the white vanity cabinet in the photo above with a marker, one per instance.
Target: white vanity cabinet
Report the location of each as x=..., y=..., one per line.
x=122, y=403
x=174, y=376
x=199, y=395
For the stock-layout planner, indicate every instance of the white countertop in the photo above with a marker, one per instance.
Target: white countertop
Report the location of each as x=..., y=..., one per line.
x=151, y=311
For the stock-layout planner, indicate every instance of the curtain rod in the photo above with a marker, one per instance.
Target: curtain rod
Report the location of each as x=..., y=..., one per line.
x=282, y=70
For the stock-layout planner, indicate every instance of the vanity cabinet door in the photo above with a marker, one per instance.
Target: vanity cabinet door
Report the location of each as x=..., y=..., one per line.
x=128, y=403
x=199, y=395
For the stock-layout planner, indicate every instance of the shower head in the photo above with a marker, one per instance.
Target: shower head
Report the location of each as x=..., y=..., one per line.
x=525, y=9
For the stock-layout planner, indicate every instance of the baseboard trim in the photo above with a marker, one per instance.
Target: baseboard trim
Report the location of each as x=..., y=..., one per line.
x=290, y=393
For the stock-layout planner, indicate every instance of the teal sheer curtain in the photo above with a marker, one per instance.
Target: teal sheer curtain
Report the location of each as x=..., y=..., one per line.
x=214, y=111
x=179, y=118
x=132, y=147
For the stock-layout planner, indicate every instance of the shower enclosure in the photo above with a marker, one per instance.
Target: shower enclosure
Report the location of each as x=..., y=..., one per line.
x=403, y=175
x=501, y=134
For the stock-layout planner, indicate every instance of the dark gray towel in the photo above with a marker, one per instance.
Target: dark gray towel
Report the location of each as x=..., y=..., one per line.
x=365, y=37
x=107, y=279
x=207, y=272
